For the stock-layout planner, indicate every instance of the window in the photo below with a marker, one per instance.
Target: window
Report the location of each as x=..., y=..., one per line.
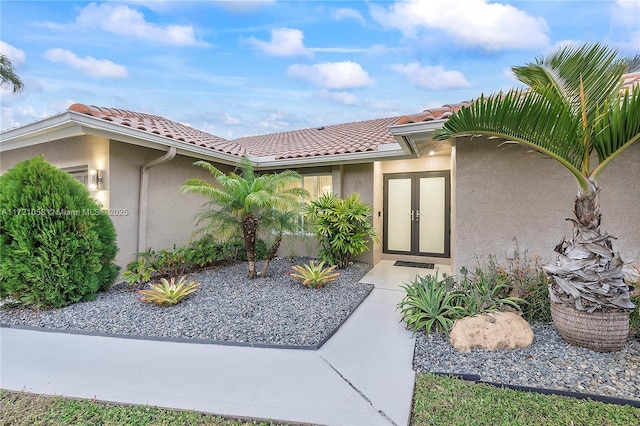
x=317, y=185
x=81, y=173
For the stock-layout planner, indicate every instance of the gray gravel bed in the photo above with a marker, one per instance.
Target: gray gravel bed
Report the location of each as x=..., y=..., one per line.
x=549, y=363
x=276, y=310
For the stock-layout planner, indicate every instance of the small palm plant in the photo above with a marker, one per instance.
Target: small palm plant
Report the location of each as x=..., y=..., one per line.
x=314, y=275
x=241, y=202
x=167, y=293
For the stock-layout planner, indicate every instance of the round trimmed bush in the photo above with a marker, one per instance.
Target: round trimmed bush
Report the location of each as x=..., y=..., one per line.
x=57, y=244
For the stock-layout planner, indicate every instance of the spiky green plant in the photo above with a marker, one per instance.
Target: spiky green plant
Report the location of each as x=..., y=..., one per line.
x=314, y=275
x=572, y=112
x=239, y=203
x=431, y=304
x=167, y=293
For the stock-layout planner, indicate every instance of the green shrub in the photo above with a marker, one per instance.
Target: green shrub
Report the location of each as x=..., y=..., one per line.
x=343, y=227
x=107, y=236
x=139, y=272
x=314, y=275
x=431, y=303
x=204, y=252
x=56, y=243
x=525, y=280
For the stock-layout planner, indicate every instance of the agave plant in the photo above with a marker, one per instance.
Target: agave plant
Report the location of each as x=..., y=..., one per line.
x=572, y=111
x=314, y=275
x=167, y=293
x=431, y=303
x=484, y=294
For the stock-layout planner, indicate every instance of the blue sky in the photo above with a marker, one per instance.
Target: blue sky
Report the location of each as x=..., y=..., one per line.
x=238, y=68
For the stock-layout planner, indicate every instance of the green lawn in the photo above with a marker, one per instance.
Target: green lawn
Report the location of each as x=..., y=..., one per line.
x=448, y=401
x=437, y=401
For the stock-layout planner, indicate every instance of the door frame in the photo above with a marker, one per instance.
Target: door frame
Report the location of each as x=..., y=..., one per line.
x=415, y=199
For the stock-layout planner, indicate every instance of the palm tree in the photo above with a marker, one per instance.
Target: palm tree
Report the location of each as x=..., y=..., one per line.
x=572, y=111
x=8, y=74
x=240, y=202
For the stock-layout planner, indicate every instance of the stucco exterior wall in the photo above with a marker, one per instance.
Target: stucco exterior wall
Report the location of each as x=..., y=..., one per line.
x=170, y=214
x=506, y=193
x=91, y=151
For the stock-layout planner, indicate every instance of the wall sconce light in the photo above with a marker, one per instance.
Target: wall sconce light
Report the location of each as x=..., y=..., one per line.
x=95, y=180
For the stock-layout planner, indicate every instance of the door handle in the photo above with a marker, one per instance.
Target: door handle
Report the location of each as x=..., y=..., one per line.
x=417, y=215
x=411, y=214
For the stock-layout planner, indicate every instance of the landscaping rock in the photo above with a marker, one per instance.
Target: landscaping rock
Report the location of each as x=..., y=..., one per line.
x=501, y=330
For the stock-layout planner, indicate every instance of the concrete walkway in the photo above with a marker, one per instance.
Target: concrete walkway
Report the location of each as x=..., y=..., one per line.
x=362, y=376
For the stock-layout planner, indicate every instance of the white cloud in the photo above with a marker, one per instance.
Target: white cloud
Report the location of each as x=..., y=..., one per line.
x=331, y=75
x=431, y=77
x=15, y=55
x=229, y=119
x=19, y=116
x=284, y=42
x=349, y=13
x=342, y=97
x=625, y=25
x=123, y=20
x=93, y=67
x=470, y=23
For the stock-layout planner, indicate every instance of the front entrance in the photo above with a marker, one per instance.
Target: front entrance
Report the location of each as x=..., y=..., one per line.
x=417, y=218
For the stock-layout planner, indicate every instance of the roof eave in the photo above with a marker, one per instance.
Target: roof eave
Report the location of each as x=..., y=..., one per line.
x=71, y=124
x=384, y=152
x=409, y=134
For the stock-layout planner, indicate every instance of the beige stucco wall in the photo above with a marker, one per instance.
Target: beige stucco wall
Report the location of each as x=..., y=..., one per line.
x=91, y=151
x=431, y=163
x=170, y=214
x=506, y=193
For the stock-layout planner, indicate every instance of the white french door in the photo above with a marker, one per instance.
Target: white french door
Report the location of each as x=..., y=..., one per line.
x=417, y=214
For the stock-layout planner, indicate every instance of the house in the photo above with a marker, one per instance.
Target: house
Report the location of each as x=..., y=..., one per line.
x=444, y=203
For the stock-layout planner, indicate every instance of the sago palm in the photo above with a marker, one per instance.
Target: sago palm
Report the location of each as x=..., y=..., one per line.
x=240, y=202
x=573, y=111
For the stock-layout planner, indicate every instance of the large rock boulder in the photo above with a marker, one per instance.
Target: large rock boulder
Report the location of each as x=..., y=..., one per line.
x=500, y=330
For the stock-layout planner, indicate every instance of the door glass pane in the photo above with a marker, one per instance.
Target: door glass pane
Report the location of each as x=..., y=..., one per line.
x=399, y=215
x=432, y=215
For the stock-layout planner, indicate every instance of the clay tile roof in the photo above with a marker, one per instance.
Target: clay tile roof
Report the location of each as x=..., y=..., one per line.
x=157, y=125
x=631, y=79
x=363, y=136
x=432, y=114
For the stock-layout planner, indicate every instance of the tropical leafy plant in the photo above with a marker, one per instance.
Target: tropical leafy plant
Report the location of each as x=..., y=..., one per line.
x=431, y=304
x=572, y=111
x=139, y=272
x=484, y=293
x=167, y=293
x=343, y=227
x=314, y=275
x=240, y=202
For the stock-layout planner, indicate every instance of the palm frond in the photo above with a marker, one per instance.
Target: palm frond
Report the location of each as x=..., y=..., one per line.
x=523, y=117
x=617, y=130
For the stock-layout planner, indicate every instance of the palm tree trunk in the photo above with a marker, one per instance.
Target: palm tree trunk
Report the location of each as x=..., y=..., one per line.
x=588, y=273
x=249, y=229
x=270, y=255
